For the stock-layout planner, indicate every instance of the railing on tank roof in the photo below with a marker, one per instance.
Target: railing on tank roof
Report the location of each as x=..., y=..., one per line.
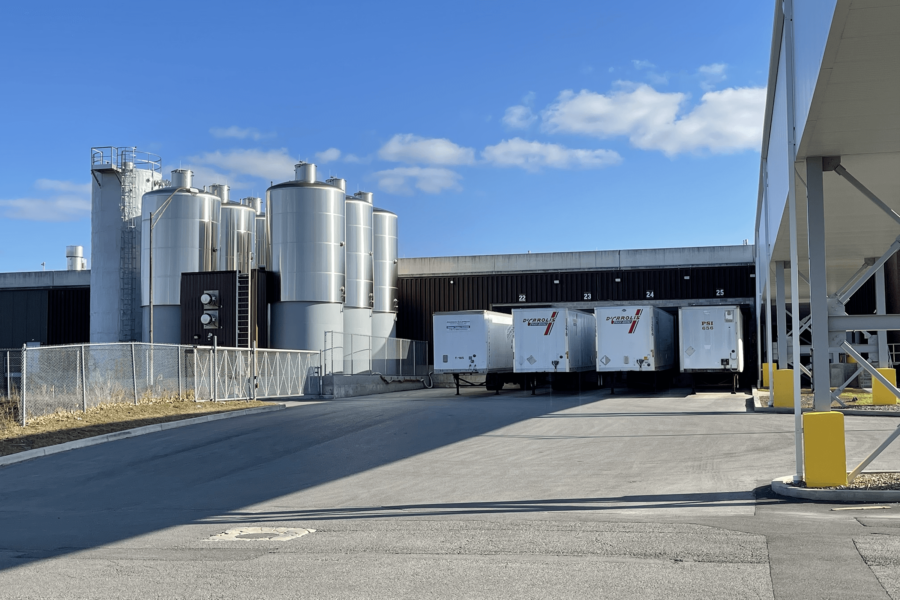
x=114, y=156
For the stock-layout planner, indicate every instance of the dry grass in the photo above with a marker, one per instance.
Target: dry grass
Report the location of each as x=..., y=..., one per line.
x=62, y=427
x=850, y=396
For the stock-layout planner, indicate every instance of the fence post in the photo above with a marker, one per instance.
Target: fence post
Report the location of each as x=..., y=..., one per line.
x=8, y=378
x=215, y=368
x=83, y=383
x=196, y=387
x=180, y=351
x=400, y=354
x=352, y=358
x=134, y=373
x=371, y=365
x=24, y=370
x=254, y=372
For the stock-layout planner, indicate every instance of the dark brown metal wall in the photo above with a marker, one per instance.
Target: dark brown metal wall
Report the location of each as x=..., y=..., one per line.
x=69, y=316
x=421, y=297
x=194, y=284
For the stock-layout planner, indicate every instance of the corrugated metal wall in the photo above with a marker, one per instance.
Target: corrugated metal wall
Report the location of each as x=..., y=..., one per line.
x=421, y=297
x=48, y=316
x=69, y=316
x=225, y=282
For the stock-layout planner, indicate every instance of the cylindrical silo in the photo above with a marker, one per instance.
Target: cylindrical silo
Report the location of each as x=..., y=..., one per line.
x=337, y=182
x=306, y=227
x=261, y=250
x=386, y=251
x=237, y=237
x=221, y=190
x=119, y=179
x=359, y=297
x=75, y=258
x=183, y=239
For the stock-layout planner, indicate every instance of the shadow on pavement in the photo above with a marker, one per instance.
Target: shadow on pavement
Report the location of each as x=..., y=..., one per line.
x=111, y=492
x=482, y=508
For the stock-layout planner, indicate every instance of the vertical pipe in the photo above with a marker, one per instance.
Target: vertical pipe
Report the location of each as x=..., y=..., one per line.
x=818, y=290
x=792, y=210
x=134, y=373
x=781, y=315
x=884, y=357
x=83, y=383
x=150, y=252
x=351, y=354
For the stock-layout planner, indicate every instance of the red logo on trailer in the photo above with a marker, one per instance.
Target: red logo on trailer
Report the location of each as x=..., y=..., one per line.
x=552, y=321
x=637, y=317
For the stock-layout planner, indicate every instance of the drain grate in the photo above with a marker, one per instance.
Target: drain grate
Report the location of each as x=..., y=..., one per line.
x=275, y=534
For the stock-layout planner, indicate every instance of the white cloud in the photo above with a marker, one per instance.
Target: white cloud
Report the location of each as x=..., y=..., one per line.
x=725, y=121
x=274, y=165
x=327, y=156
x=239, y=133
x=431, y=180
x=352, y=158
x=532, y=156
x=72, y=204
x=63, y=186
x=519, y=117
x=710, y=75
x=643, y=64
x=409, y=148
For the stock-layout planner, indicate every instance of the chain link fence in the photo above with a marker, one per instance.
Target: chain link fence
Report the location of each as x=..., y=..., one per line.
x=10, y=383
x=353, y=354
x=75, y=378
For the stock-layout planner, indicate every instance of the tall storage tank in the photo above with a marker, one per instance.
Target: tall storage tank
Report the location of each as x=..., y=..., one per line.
x=386, y=251
x=184, y=237
x=119, y=179
x=306, y=225
x=261, y=238
x=360, y=292
x=237, y=237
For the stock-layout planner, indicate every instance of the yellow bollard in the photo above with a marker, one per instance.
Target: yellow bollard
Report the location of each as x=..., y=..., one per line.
x=783, y=389
x=765, y=369
x=824, y=454
x=880, y=394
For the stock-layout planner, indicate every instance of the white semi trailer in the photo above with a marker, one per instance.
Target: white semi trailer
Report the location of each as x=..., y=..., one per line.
x=711, y=340
x=634, y=339
x=554, y=342
x=471, y=342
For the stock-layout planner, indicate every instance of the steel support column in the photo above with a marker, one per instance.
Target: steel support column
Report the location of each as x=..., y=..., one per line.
x=818, y=288
x=781, y=316
x=884, y=357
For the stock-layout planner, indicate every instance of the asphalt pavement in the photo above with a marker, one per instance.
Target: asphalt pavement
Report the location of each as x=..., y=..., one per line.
x=429, y=495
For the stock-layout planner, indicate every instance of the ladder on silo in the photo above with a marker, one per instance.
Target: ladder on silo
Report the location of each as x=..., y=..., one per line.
x=127, y=256
x=243, y=310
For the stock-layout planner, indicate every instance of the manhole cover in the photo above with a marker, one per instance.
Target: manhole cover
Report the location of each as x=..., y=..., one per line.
x=276, y=534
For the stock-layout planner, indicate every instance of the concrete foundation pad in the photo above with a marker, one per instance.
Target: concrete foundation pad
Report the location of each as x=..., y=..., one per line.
x=782, y=486
x=350, y=386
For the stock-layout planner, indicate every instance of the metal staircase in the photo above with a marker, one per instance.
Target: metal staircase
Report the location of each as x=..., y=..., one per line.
x=243, y=310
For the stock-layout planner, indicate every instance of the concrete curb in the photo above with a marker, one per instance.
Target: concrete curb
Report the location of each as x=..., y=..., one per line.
x=847, y=411
x=130, y=433
x=782, y=486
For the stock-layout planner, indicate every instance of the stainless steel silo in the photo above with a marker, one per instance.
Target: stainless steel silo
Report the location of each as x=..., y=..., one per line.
x=306, y=227
x=360, y=292
x=75, y=258
x=386, y=251
x=183, y=239
x=337, y=182
x=119, y=179
x=221, y=190
x=261, y=251
x=237, y=237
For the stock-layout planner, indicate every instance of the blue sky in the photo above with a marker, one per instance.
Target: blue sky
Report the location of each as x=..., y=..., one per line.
x=488, y=127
